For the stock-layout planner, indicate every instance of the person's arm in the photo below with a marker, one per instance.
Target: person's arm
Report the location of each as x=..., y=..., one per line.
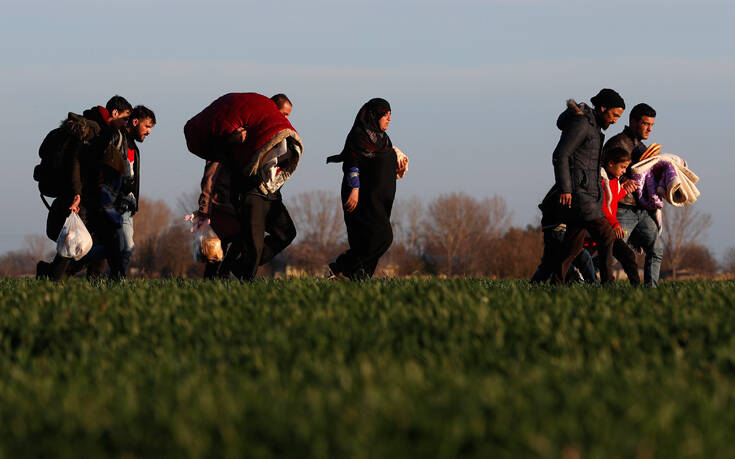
x=571, y=138
x=76, y=180
x=205, y=198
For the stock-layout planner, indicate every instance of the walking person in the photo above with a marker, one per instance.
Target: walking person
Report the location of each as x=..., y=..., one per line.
x=370, y=165
x=215, y=204
x=577, y=163
x=638, y=223
x=263, y=150
x=141, y=122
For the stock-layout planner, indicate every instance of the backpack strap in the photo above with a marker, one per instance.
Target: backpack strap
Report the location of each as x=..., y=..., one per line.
x=45, y=203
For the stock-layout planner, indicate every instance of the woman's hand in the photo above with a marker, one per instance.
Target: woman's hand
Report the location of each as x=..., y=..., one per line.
x=352, y=199
x=402, y=165
x=75, y=204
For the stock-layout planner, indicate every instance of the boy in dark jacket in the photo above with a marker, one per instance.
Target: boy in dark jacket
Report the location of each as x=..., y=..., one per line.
x=577, y=165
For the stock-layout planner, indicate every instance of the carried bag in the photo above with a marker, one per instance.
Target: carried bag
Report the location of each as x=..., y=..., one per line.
x=74, y=240
x=206, y=245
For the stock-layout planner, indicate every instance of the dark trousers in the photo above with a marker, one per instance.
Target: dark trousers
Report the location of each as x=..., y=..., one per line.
x=625, y=255
x=367, y=245
x=259, y=215
x=553, y=244
x=222, y=269
x=601, y=232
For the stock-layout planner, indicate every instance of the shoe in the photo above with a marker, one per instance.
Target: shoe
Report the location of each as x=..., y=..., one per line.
x=42, y=270
x=334, y=272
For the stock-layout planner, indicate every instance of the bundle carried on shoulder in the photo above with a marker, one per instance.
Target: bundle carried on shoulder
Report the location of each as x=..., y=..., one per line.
x=272, y=147
x=665, y=177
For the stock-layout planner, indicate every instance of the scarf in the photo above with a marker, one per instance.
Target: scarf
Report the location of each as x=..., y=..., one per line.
x=366, y=138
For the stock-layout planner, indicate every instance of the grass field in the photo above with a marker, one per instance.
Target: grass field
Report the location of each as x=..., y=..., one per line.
x=387, y=368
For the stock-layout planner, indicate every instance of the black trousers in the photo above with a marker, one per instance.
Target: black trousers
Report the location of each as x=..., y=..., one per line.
x=259, y=216
x=625, y=255
x=369, y=240
x=601, y=232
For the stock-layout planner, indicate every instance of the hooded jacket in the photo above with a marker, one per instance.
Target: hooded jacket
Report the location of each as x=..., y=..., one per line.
x=577, y=160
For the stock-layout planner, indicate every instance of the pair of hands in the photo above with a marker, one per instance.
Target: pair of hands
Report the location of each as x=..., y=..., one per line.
x=565, y=199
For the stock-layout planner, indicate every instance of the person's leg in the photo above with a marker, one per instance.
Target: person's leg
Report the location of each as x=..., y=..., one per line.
x=572, y=245
x=281, y=231
x=127, y=245
x=625, y=255
x=586, y=267
x=602, y=233
x=382, y=240
x=253, y=210
x=646, y=237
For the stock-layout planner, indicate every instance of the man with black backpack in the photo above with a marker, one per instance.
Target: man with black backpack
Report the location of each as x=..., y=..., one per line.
x=72, y=169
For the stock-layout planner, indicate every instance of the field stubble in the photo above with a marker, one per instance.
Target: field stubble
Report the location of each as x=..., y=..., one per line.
x=387, y=368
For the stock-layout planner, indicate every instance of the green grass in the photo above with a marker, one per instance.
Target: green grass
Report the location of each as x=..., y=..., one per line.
x=405, y=368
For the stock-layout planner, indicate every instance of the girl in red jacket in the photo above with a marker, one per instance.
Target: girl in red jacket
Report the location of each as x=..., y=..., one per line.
x=616, y=161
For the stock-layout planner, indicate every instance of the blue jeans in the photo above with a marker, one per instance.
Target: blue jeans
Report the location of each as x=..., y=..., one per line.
x=126, y=239
x=641, y=231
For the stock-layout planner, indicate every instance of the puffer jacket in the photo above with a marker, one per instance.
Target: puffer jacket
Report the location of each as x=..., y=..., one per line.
x=577, y=160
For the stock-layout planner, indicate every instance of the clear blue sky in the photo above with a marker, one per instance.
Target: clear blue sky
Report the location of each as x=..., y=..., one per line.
x=475, y=86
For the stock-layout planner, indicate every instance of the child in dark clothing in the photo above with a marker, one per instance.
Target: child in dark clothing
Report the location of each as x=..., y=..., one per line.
x=616, y=161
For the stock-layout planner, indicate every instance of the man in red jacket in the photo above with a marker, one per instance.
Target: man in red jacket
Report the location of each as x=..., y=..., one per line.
x=251, y=134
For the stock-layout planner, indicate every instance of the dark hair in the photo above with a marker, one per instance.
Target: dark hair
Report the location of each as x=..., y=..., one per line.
x=280, y=100
x=617, y=155
x=608, y=98
x=141, y=112
x=118, y=103
x=642, y=110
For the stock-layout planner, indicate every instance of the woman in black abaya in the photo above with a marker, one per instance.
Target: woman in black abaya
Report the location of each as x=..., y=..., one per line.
x=370, y=166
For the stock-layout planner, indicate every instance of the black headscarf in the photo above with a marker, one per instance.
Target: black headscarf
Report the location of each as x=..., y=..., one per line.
x=366, y=138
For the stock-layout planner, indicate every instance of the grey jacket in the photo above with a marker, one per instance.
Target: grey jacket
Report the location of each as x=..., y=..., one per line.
x=577, y=160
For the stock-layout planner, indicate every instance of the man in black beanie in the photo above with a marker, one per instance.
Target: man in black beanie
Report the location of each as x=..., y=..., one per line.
x=577, y=162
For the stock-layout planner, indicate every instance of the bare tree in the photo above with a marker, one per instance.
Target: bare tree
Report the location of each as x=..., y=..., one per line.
x=682, y=227
x=320, y=229
x=728, y=262
x=407, y=219
x=188, y=202
x=38, y=246
x=457, y=224
x=699, y=260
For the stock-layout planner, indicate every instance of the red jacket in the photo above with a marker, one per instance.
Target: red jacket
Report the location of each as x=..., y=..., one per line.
x=206, y=132
x=612, y=193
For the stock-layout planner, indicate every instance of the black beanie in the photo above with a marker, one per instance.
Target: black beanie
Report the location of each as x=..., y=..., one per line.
x=608, y=98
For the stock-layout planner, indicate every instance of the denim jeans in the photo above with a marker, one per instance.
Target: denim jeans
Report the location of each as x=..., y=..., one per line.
x=641, y=231
x=126, y=239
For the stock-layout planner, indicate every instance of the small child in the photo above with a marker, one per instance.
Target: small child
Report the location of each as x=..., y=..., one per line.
x=616, y=161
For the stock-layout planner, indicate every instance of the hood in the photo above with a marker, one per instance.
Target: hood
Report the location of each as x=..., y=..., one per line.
x=94, y=114
x=82, y=128
x=574, y=110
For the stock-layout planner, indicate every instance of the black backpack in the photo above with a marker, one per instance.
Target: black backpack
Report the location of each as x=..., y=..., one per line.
x=56, y=151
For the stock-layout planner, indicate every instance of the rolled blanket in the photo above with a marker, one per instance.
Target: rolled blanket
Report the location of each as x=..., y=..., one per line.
x=665, y=176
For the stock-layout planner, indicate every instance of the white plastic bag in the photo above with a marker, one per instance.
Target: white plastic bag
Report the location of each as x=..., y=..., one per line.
x=74, y=240
x=205, y=246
